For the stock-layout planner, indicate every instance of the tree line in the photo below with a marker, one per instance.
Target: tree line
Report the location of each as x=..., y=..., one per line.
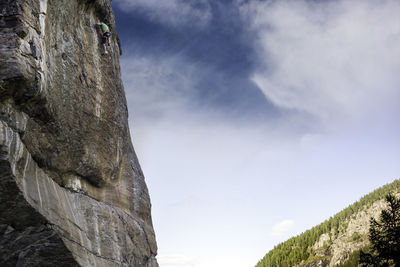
x=298, y=249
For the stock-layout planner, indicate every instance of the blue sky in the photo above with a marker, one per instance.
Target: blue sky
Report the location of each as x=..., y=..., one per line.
x=256, y=120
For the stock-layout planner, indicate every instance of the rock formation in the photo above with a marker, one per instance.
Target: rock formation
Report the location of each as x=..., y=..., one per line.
x=71, y=188
x=338, y=240
x=332, y=250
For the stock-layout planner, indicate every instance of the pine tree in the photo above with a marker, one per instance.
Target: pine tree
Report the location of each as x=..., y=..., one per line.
x=384, y=236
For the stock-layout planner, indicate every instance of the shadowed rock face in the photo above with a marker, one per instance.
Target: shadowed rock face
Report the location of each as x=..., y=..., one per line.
x=68, y=171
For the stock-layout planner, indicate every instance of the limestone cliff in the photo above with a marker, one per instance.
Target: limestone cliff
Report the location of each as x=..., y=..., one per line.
x=71, y=188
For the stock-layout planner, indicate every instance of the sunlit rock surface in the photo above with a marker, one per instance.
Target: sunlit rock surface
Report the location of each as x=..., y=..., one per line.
x=70, y=181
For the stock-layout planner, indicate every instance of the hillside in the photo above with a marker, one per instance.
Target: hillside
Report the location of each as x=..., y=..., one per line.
x=335, y=241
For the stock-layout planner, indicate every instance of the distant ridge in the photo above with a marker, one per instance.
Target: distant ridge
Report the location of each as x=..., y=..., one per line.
x=335, y=241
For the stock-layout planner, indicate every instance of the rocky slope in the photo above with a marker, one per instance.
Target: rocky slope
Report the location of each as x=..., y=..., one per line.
x=71, y=188
x=335, y=241
x=334, y=249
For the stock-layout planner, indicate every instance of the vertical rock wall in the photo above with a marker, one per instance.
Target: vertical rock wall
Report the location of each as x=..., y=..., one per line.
x=68, y=171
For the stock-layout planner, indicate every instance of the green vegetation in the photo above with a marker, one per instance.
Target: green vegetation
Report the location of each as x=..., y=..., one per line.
x=384, y=236
x=356, y=237
x=298, y=249
x=353, y=260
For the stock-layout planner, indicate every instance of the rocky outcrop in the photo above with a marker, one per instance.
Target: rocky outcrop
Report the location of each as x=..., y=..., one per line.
x=355, y=236
x=335, y=248
x=339, y=240
x=71, y=186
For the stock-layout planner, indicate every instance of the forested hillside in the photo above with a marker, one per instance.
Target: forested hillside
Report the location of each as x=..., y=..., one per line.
x=319, y=243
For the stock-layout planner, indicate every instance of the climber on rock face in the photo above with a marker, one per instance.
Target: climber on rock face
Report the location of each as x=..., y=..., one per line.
x=106, y=35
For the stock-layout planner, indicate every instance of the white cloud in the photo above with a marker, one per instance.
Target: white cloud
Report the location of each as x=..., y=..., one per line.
x=157, y=85
x=176, y=260
x=221, y=169
x=337, y=60
x=282, y=228
x=171, y=12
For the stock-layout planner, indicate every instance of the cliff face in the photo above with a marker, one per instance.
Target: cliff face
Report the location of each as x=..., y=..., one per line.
x=70, y=181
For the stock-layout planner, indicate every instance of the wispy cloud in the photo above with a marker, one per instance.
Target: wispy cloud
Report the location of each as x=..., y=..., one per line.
x=157, y=85
x=176, y=260
x=336, y=60
x=171, y=12
x=282, y=228
x=325, y=60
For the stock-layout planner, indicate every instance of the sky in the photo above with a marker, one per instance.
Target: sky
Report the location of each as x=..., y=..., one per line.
x=256, y=120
